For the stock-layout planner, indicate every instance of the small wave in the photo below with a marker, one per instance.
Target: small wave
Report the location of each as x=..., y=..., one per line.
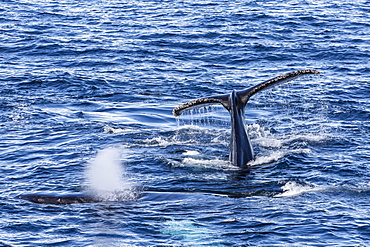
x=305, y=137
x=158, y=141
x=275, y=156
x=269, y=142
x=265, y=139
x=199, y=162
x=212, y=163
x=262, y=160
x=293, y=188
x=111, y=130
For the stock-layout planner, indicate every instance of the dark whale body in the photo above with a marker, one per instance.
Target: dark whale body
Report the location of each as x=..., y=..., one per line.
x=53, y=198
x=241, y=150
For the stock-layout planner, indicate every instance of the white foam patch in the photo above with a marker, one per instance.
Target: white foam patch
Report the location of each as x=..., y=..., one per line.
x=191, y=153
x=275, y=156
x=292, y=188
x=263, y=137
x=111, y=130
x=256, y=130
x=276, y=142
x=217, y=164
x=106, y=178
x=269, y=142
x=262, y=160
x=307, y=137
x=204, y=162
x=158, y=141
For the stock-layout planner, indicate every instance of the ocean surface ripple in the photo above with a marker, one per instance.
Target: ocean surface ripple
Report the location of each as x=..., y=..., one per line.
x=83, y=77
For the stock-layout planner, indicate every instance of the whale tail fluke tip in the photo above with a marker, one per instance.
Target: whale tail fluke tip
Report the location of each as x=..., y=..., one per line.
x=222, y=99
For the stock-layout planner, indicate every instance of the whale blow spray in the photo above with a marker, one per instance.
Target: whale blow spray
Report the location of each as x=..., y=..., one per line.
x=106, y=178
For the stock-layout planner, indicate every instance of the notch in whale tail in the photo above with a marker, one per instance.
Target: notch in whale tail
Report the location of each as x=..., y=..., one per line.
x=244, y=94
x=241, y=150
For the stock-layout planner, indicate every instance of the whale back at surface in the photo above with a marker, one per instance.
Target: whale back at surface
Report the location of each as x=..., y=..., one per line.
x=53, y=198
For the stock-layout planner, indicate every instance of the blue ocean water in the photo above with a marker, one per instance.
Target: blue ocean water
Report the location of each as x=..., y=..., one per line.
x=79, y=78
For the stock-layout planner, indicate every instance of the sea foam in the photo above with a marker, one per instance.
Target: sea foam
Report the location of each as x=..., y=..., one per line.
x=292, y=189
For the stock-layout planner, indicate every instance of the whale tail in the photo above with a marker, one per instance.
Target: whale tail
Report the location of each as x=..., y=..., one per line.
x=241, y=151
x=244, y=95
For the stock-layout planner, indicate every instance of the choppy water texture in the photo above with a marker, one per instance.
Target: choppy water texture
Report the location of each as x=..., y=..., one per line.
x=78, y=77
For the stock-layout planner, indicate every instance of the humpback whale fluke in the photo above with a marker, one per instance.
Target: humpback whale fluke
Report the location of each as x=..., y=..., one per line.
x=241, y=151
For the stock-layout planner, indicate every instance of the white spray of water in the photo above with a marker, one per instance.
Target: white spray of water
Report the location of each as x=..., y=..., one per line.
x=263, y=160
x=106, y=179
